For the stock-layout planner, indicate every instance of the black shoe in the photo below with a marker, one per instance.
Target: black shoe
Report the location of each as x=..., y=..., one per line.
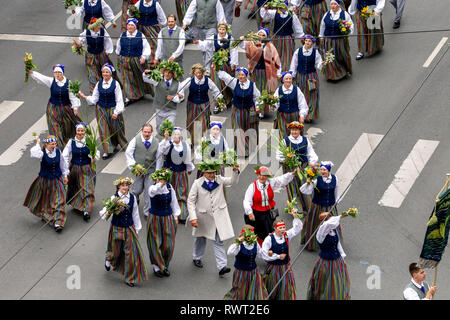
x=224, y=270
x=181, y=221
x=106, y=156
x=86, y=216
x=159, y=274
x=166, y=272
x=107, y=267
x=198, y=263
x=396, y=25
x=359, y=56
x=129, y=284
x=58, y=229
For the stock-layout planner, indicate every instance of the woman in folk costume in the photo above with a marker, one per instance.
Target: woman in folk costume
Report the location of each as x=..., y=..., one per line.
x=123, y=252
x=286, y=27
x=178, y=160
x=292, y=105
x=62, y=107
x=275, y=249
x=304, y=153
x=310, y=13
x=305, y=63
x=247, y=282
x=220, y=41
x=125, y=6
x=162, y=222
x=182, y=6
x=132, y=52
x=95, y=9
x=258, y=200
x=325, y=195
x=334, y=41
x=329, y=279
x=45, y=197
x=152, y=19
x=80, y=191
x=107, y=97
x=197, y=105
x=264, y=64
x=245, y=94
x=370, y=30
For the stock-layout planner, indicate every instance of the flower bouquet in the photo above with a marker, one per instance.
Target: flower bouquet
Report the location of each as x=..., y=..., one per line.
x=251, y=36
x=138, y=170
x=134, y=12
x=171, y=66
x=267, y=99
x=162, y=174
x=114, y=206
x=229, y=158
x=220, y=58
x=78, y=49
x=166, y=125
x=69, y=3
x=366, y=12
x=91, y=138
x=353, y=212
x=344, y=26
x=292, y=208
x=221, y=104
x=155, y=75
x=276, y=4
x=290, y=157
x=209, y=164
x=29, y=65
x=249, y=236
x=74, y=87
x=329, y=58
x=312, y=172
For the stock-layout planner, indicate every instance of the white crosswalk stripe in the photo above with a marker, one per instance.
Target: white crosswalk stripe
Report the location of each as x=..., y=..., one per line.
x=7, y=108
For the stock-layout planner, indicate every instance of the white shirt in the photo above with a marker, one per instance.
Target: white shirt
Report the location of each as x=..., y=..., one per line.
x=176, y=53
x=276, y=184
x=129, y=153
x=107, y=13
x=309, y=188
x=178, y=147
x=93, y=99
x=160, y=15
x=267, y=244
x=107, y=42
x=269, y=15
x=80, y=144
x=234, y=249
x=208, y=46
x=156, y=189
x=198, y=157
x=146, y=50
x=40, y=78
x=135, y=213
x=180, y=89
x=310, y=154
x=307, y=53
x=301, y=101
x=377, y=8
x=410, y=294
x=335, y=16
x=231, y=82
x=327, y=228
x=36, y=152
x=212, y=86
x=192, y=10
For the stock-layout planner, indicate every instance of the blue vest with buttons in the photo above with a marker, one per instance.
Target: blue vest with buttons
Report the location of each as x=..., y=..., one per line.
x=106, y=97
x=328, y=248
x=198, y=94
x=160, y=204
x=92, y=12
x=59, y=96
x=306, y=64
x=149, y=16
x=300, y=149
x=313, y=2
x=364, y=3
x=283, y=26
x=225, y=46
x=288, y=102
x=80, y=156
x=243, y=99
x=324, y=192
x=131, y=47
x=332, y=26
x=125, y=219
x=95, y=45
x=260, y=3
x=245, y=259
x=261, y=64
x=50, y=166
x=168, y=163
x=279, y=249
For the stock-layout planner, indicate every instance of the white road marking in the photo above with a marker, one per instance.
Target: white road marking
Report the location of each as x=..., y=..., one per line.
x=114, y=20
x=435, y=52
x=7, y=108
x=408, y=173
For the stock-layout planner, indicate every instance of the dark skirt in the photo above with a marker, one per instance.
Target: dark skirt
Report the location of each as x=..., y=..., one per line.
x=263, y=223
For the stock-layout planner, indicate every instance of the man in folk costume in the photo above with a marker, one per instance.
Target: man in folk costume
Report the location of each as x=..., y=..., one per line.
x=171, y=41
x=209, y=215
x=95, y=9
x=144, y=150
x=418, y=288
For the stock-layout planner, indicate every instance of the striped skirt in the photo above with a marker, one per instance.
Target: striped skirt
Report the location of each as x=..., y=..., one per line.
x=125, y=254
x=311, y=16
x=61, y=122
x=342, y=65
x=370, y=41
x=124, y=18
x=131, y=77
x=112, y=131
x=94, y=63
x=247, y=285
x=282, y=120
x=151, y=33
x=250, y=5
x=240, y=119
x=329, y=281
x=258, y=76
x=311, y=224
x=180, y=183
x=286, y=289
x=80, y=189
x=182, y=6
x=197, y=113
x=293, y=190
x=285, y=46
x=46, y=200
x=311, y=96
x=161, y=233
x=226, y=91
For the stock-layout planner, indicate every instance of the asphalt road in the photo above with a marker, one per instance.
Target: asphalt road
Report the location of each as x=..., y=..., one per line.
x=390, y=94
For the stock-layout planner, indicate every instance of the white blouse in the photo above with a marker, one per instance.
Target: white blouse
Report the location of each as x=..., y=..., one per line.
x=107, y=42
x=232, y=82
x=267, y=244
x=192, y=10
x=176, y=53
x=80, y=144
x=178, y=147
x=161, y=16
x=310, y=153
x=309, y=188
x=146, y=50
x=129, y=153
x=301, y=101
x=307, y=53
x=135, y=213
x=335, y=16
x=156, y=189
x=212, y=86
x=107, y=12
x=208, y=46
x=36, y=152
x=269, y=15
x=328, y=227
x=234, y=249
x=93, y=99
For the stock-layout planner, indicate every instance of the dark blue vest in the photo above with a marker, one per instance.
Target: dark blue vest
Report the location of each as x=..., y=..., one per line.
x=260, y=3
x=328, y=248
x=288, y=103
x=324, y=192
x=364, y=3
x=59, y=96
x=198, y=94
x=313, y=2
x=279, y=249
x=306, y=64
x=131, y=47
x=332, y=26
x=245, y=259
x=300, y=149
x=160, y=204
x=92, y=12
x=50, y=166
x=283, y=26
x=125, y=219
x=106, y=97
x=168, y=163
x=261, y=64
x=243, y=99
x=149, y=17
x=225, y=46
x=80, y=156
x=95, y=45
